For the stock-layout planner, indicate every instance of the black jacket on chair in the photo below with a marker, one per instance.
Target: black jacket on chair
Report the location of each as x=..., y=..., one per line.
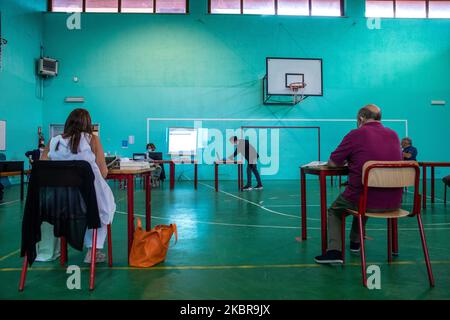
x=61, y=193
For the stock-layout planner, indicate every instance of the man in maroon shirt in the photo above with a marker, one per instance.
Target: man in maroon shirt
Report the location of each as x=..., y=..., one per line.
x=371, y=141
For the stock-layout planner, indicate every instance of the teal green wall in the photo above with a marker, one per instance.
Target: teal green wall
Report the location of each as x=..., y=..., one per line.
x=20, y=105
x=134, y=66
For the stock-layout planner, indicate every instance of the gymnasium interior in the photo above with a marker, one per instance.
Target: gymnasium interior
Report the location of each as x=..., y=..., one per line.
x=149, y=71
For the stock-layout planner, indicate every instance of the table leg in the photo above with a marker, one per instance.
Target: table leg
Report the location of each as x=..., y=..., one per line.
x=130, y=190
x=195, y=176
x=323, y=210
x=424, y=186
x=216, y=176
x=172, y=176
x=239, y=177
x=303, y=202
x=432, y=184
x=148, y=202
x=21, y=184
x=395, y=236
x=242, y=175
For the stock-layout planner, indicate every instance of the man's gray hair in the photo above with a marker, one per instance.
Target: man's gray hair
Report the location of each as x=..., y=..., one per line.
x=407, y=139
x=370, y=111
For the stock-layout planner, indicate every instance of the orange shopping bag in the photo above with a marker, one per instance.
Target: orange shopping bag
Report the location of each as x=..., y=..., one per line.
x=150, y=247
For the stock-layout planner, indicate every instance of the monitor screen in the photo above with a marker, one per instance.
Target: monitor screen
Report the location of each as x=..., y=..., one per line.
x=182, y=141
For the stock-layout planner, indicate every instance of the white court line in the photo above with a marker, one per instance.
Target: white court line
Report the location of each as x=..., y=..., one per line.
x=9, y=202
x=256, y=204
x=429, y=197
x=268, y=226
x=405, y=121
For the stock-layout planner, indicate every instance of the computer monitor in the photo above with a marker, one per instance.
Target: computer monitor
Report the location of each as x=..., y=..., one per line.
x=155, y=155
x=139, y=156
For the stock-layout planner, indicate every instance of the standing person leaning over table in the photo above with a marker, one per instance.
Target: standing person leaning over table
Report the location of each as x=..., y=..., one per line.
x=370, y=141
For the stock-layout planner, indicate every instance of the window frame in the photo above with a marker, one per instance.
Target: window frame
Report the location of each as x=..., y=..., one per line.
x=275, y=4
x=119, y=8
x=394, y=8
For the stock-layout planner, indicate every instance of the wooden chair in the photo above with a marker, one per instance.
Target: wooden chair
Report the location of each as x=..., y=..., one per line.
x=389, y=174
x=74, y=172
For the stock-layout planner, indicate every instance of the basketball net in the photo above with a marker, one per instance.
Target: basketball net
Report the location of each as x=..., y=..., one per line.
x=297, y=89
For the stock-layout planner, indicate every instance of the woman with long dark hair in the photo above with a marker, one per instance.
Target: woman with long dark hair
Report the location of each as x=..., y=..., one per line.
x=79, y=143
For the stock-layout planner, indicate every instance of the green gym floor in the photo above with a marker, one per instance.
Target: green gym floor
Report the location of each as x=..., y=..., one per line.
x=237, y=246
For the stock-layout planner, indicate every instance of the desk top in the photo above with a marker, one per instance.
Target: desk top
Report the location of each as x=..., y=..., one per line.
x=11, y=166
x=228, y=162
x=175, y=161
x=13, y=173
x=329, y=170
x=129, y=171
x=434, y=164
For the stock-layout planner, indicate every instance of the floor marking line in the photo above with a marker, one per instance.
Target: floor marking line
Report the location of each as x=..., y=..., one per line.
x=267, y=226
x=230, y=267
x=9, y=255
x=255, y=204
x=9, y=202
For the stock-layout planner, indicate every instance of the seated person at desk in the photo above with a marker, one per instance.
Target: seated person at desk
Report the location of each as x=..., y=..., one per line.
x=370, y=141
x=244, y=148
x=79, y=143
x=35, y=155
x=409, y=152
x=159, y=174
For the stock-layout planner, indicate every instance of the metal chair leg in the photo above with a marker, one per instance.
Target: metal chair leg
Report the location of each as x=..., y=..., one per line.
x=343, y=238
x=363, y=255
x=23, y=274
x=93, y=256
x=109, y=246
x=389, y=239
x=425, y=251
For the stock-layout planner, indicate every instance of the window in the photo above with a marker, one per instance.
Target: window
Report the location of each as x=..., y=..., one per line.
x=225, y=6
x=293, y=7
x=137, y=6
x=102, y=6
x=171, y=6
x=439, y=9
x=279, y=7
x=408, y=8
x=125, y=6
x=67, y=5
x=259, y=7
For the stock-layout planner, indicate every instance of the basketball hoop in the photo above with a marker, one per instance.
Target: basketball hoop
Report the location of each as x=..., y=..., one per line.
x=297, y=89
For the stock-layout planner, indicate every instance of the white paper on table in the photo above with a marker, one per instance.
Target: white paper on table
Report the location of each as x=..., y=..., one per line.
x=315, y=164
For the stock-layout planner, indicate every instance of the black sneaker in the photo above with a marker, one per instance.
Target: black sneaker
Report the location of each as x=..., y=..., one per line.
x=247, y=188
x=355, y=247
x=331, y=257
x=258, y=187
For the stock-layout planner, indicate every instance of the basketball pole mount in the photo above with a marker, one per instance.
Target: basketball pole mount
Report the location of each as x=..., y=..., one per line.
x=269, y=100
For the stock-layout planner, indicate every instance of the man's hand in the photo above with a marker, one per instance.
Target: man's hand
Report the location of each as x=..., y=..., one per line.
x=407, y=155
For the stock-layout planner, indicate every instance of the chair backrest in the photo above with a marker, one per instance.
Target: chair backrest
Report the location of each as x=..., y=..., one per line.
x=390, y=174
x=62, y=173
x=63, y=194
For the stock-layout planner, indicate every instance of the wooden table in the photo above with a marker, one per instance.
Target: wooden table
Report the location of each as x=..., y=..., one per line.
x=227, y=162
x=424, y=166
x=172, y=164
x=14, y=168
x=129, y=175
x=322, y=172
